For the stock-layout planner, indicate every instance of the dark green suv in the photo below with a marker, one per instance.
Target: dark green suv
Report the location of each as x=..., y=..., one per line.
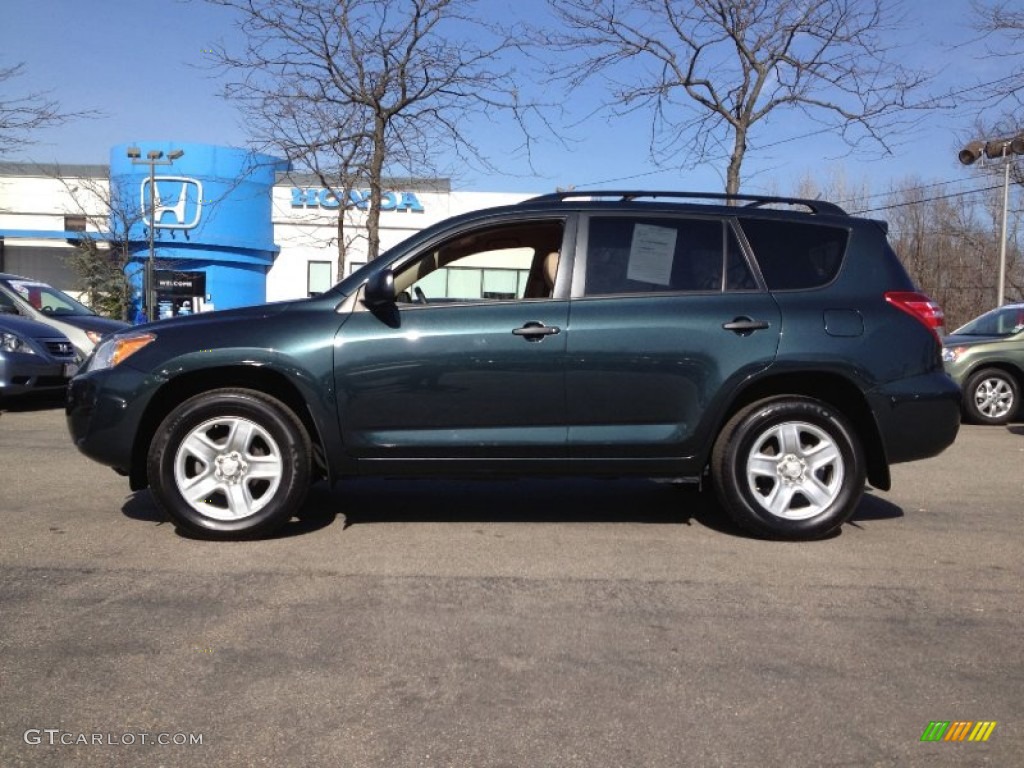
x=774, y=346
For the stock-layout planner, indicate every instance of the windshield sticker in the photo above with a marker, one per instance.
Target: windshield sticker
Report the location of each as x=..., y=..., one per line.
x=650, y=254
x=21, y=287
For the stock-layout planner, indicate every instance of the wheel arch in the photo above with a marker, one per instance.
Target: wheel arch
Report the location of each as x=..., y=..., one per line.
x=180, y=388
x=1001, y=365
x=838, y=392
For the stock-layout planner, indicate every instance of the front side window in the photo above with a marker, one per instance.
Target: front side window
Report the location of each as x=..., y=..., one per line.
x=506, y=262
x=626, y=254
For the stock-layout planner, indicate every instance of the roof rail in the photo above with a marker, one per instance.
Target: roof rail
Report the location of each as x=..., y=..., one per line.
x=751, y=201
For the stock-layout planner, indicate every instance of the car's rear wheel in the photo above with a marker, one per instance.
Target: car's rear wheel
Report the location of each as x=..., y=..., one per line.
x=991, y=396
x=230, y=463
x=788, y=468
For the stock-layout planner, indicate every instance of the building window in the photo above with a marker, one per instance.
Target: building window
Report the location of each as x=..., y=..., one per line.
x=318, y=277
x=74, y=223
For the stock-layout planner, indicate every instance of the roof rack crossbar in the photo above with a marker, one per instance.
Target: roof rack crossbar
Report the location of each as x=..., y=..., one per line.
x=751, y=201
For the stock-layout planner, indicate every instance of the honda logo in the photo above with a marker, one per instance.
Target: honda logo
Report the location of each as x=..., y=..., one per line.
x=177, y=201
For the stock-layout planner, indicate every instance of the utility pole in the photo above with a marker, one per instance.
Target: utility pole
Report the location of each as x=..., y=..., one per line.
x=992, y=149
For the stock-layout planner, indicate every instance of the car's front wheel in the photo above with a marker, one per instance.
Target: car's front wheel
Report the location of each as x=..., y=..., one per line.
x=990, y=397
x=788, y=468
x=230, y=463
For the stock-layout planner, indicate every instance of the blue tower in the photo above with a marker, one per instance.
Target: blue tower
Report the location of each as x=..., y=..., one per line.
x=212, y=211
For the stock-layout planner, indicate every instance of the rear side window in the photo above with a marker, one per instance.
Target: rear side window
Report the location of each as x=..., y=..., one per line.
x=652, y=255
x=795, y=255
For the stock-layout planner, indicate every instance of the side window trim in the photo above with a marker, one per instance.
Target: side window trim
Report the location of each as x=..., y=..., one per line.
x=748, y=254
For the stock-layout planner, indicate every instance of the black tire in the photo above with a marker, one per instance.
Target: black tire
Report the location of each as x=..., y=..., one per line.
x=230, y=463
x=788, y=468
x=991, y=396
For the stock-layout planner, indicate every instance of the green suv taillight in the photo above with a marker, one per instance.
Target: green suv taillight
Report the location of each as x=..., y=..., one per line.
x=919, y=306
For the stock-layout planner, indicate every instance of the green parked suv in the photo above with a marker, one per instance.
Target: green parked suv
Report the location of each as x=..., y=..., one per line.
x=986, y=358
x=774, y=347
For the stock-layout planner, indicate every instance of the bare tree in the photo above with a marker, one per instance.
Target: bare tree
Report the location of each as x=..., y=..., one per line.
x=21, y=116
x=712, y=70
x=357, y=90
x=1002, y=23
x=102, y=257
x=949, y=242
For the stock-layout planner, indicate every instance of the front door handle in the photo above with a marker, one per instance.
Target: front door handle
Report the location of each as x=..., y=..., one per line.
x=535, y=331
x=744, y=326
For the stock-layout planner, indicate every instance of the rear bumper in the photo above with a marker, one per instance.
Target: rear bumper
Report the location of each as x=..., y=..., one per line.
x=917, y=417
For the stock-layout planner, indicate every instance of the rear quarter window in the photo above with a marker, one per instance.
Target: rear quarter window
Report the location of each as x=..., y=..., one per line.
x=795, y=255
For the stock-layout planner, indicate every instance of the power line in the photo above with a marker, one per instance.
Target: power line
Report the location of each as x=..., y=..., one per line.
x=928, y=199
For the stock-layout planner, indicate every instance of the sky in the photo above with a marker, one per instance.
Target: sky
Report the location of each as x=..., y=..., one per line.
x=141, y=63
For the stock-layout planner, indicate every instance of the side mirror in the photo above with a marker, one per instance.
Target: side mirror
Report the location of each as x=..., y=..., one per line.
x=380, y=290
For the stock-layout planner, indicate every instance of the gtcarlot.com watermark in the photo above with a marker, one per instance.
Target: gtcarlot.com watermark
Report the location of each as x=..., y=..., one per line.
x=56, y=737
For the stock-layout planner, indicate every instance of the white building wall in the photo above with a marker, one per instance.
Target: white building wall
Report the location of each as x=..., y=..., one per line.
x=309, y=234
x=40, y=202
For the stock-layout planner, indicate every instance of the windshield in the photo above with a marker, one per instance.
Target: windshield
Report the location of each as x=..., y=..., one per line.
x=1004, y=321
x=46, y=298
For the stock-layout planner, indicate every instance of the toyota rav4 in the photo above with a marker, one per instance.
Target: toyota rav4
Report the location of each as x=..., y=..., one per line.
x=774, y=348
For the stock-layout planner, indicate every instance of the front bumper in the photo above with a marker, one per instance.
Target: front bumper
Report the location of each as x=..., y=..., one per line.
x=104, y=410
x=21, y=373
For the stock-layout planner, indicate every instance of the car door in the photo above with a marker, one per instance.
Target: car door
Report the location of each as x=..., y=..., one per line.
x=669, y=318
x=469, y=364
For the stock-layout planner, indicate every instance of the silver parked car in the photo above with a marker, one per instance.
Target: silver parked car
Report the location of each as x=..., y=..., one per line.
x=33, y=357
x=45, y=304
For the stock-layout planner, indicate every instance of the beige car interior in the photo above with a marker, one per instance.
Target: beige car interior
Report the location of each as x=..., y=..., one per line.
x=542, y=238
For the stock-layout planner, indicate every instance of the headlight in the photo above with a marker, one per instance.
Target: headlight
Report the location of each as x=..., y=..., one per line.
x=118, y=349
x=94, y=336
x=952, y=354
x=12, y=342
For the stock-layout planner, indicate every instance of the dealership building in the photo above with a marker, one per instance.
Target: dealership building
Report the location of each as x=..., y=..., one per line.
x=232, y=227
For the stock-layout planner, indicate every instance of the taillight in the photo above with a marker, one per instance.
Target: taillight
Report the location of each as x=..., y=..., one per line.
x=919, y=306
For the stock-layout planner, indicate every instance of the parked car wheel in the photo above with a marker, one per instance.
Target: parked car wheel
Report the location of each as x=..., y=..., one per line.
x=788, y=468
x=991, y=396
x=230, y=463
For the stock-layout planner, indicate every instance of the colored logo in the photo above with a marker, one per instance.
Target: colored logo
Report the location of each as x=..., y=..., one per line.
x=958, y=730
x=177, y=201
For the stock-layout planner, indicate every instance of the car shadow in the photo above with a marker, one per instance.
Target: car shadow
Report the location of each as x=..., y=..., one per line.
x=385, y=500
x=33, y=401
x=369, y=501
x=318, y=512
x=526, y=500
x=874, y=507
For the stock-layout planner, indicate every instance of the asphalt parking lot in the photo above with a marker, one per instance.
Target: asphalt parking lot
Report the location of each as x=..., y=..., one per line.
x=520, y=623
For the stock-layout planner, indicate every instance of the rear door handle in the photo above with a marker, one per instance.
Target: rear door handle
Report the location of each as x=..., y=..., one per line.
x=745, y=325
x=535, y=331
